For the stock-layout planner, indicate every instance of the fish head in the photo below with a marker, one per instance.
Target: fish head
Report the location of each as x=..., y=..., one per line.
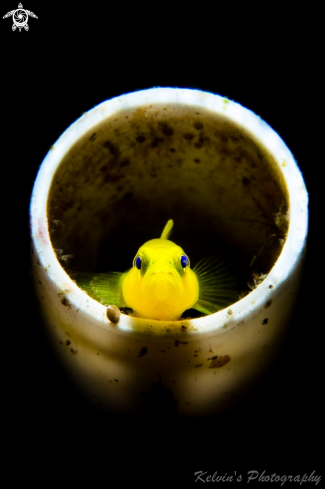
x=161, y=284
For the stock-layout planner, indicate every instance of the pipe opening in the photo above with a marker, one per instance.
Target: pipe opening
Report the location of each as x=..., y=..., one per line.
x=119, y=184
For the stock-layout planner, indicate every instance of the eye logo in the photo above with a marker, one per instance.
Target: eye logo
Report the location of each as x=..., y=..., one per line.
x=20, y=18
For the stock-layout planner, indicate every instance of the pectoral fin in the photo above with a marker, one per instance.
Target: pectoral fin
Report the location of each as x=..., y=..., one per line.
x=105, y=288
x=218, y=285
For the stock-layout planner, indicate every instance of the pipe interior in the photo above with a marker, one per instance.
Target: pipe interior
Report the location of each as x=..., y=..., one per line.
x=119, y=184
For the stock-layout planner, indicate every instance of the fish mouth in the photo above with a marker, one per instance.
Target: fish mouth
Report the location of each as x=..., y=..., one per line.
x=162, y=284
x=160, y=273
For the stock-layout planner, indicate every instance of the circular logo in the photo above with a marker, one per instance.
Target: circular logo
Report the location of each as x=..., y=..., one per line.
x=20, y=18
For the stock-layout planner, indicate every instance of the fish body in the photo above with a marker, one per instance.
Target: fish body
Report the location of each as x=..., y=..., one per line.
x=161, y=285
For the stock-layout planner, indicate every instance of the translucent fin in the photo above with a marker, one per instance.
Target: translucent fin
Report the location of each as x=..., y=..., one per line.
x=167, y=230
x=218, y=285
x=105, y=288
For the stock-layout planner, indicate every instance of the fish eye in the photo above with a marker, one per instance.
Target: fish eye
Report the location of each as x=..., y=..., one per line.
x=138, y=262
x=184, y=261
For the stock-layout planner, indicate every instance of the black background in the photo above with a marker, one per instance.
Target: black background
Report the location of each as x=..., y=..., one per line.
x=70, y=60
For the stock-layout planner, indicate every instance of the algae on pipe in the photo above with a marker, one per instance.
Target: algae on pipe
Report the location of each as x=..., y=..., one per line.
x=161, y=285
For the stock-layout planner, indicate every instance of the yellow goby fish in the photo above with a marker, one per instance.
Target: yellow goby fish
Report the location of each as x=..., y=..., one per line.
x=161, y=285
